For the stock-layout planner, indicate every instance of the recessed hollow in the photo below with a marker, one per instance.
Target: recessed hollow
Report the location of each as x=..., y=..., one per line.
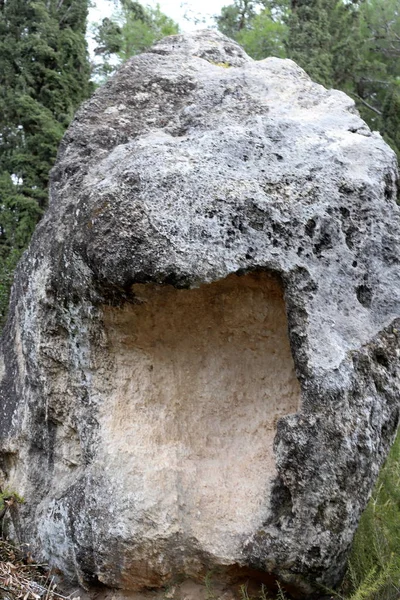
x=200, y=378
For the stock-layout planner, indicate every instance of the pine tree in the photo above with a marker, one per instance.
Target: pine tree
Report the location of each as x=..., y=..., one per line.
x=310, y=40
x=44, y=76
x=376, y=80
x=391, y=119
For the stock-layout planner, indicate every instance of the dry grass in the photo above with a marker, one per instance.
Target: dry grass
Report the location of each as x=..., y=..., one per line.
x=22, y=579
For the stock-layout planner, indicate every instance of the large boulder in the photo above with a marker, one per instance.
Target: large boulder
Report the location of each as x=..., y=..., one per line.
x=200, y=368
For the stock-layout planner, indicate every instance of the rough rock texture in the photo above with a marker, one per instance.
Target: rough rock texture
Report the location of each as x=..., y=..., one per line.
x=200, y=369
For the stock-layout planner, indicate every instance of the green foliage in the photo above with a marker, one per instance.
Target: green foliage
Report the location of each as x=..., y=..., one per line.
x=132, y=30
x=260, y=30
x=377, y=72
x=18, y=215
x=208, y=582
x=324, y=39
x=391, y=118
x=262, y=593
x=237, y=17
x=374, y=565
x=310, y=41
x=44, y=76
x=266, y=37
x=140, y=34
x=243, y=591
x=7, y=494
x=281, y=594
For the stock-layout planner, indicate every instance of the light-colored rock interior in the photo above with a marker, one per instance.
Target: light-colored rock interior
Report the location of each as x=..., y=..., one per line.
x=200, y=379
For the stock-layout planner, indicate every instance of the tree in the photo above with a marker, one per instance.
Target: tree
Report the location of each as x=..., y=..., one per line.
x=391, y=118
x=44, y=76
x=376, y=82
x=237, y=17
x=344, y=27
x=266, y=37
x=259, y=27
x=132, y=30
x=310, y=40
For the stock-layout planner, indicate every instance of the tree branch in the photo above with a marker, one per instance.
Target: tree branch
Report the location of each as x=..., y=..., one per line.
x=375, y=110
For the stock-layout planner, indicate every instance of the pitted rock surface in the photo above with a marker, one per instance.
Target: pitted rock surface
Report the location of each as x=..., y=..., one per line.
x=200, y=367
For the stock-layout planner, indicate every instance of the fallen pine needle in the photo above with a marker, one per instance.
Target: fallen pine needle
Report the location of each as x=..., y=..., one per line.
x=22, y=579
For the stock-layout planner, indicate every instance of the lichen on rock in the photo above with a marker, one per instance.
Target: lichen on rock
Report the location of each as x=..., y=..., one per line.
x=200, y=367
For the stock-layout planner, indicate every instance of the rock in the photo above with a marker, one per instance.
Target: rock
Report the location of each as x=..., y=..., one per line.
x=200, y=368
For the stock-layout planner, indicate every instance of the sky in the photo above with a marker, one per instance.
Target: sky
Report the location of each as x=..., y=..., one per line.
x=199, y=11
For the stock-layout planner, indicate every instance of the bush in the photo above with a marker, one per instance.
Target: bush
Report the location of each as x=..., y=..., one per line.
x=374, y=565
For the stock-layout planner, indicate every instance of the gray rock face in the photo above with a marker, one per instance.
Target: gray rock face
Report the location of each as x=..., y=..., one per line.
x=200, y=368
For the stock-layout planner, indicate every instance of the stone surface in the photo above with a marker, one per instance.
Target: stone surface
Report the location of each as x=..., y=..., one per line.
x=200, y=369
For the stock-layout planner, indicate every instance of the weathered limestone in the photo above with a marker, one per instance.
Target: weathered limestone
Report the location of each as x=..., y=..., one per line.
x=200, y=369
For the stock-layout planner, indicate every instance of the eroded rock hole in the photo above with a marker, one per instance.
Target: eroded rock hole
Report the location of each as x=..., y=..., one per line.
x=364, y=295
x=200, y=379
